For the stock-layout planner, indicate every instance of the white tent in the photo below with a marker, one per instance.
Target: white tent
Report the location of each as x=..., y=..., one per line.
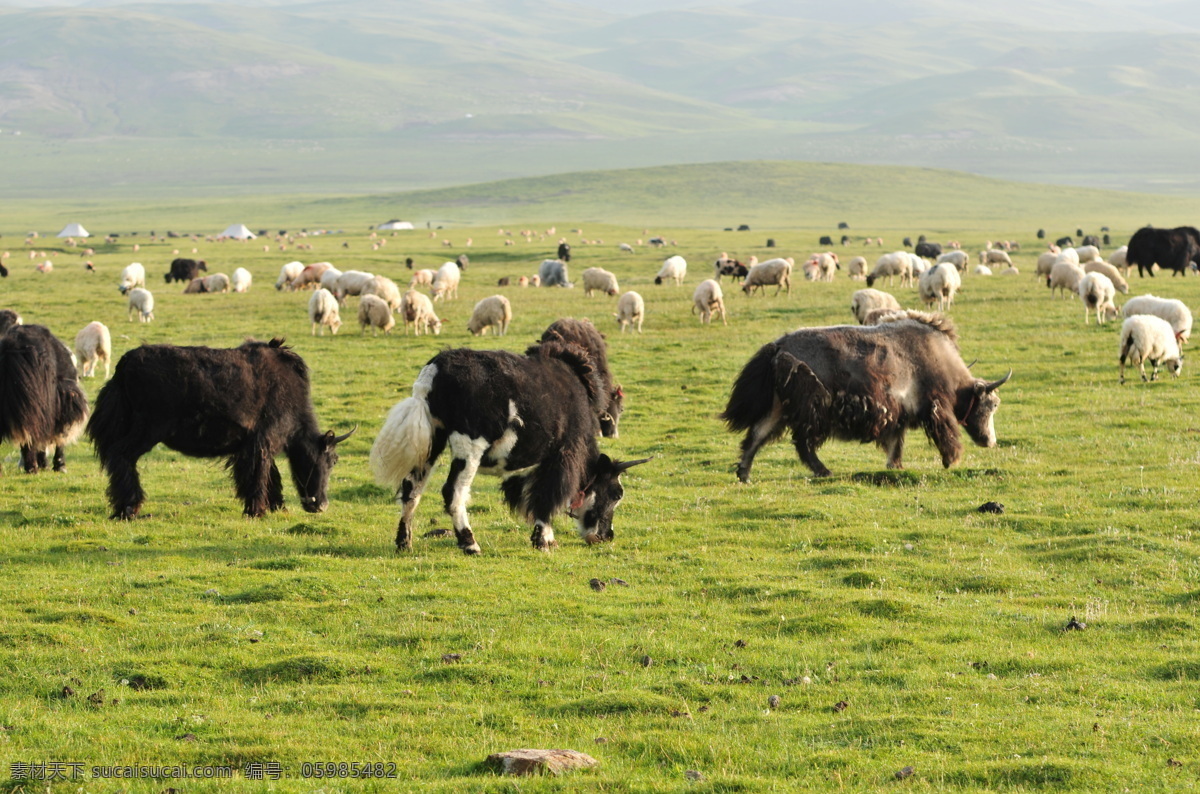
x=238, y=231
x=73, y=230
x=393, y=225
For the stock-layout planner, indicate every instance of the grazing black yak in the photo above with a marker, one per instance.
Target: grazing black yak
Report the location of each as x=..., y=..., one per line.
x=184, y=270
x=41, y=404
x=247, y=404
x=1171, y=249
x=612, y=399
x=531, y=419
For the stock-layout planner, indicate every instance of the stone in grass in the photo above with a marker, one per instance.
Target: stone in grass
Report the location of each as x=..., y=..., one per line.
x=694, y=774
x=539, y=762
x=991, y=507
x=597, y=584
x=906, y=772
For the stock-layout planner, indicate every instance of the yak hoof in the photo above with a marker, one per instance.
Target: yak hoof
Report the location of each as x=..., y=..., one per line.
x=743, y=475
x=592, y=539
x=546, y=547
x=126, y=514
x=472, y=549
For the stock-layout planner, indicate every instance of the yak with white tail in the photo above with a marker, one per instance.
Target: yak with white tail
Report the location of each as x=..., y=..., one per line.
x=531, y=419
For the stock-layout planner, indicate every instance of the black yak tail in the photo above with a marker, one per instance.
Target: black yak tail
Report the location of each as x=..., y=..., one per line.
x=27, y=389
x=754, y=390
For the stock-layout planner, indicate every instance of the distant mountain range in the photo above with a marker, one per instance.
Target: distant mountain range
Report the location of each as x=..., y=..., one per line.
x=388, y=94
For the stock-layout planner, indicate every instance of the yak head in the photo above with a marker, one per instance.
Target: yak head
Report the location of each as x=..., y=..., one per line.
x=311, y=467
x=610, y=418
x=593, y=507
x=981, y=414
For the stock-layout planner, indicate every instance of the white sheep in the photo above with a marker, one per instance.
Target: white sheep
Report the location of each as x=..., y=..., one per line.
x=422, y=277
x=217, y=282
x=374, y=311
x=773, y=271
x=864, y=301
x=824, y=265
x=93, y=343
x=494, y=312
x=1088, y=253
x=1010, y=271
x=552, y=273
x=1045, y=263
x=329, y=278
x=1117, y=259
x=994, y=257
x=323, y=311
x=1145, y=337
x=1114, y=275
x=351, y=282
x=241, y=280
x=445, y=282
x=141, y=302
x=917, y=264
x=1069, y=255
x=982, y=270
x=597, y=278
x=1064, y=276
x=709, y=300
x=1096, y=291
x=1175, y=312
x=626, y=247
x=631, y=310
x=939, y=283
x=417, y=310
x=384, y=288
x=856, y=268
x=957, y=258
x=310, y=276
x=288, y=274
x=896, y=263
x=134, y=275
x=673, y=268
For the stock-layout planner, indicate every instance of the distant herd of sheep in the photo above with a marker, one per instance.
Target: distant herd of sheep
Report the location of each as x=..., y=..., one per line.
x=1154, y=329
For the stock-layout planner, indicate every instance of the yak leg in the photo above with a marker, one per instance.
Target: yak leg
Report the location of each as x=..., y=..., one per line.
x=252, y=466
x=467, y=453
x=942, y=429
x=125, y=492
x=60, y=459
x=410, y=493
x=806, y=447
x=519, y=492
x=894, y=446
x=763, y=431
x=274, y=488
x=32, y=460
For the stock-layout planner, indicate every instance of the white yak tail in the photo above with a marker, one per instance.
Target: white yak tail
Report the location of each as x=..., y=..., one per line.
x=403, y=445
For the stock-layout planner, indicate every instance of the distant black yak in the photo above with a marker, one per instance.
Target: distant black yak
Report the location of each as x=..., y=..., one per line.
x=41, y=404
x=184, y=270
x=246, y=404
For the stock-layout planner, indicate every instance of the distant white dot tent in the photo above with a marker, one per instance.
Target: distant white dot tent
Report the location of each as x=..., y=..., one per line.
x=238, y=231
x=74, y=230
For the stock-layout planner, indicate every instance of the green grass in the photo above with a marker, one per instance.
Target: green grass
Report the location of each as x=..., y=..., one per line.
x=296, y=638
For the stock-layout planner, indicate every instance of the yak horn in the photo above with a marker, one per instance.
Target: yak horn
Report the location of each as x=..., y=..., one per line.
x=996, y=384
x=625, y=465
x=973, y=363
x=344, y=436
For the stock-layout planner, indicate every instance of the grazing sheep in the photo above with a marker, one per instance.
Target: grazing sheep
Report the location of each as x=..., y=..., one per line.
x=626, y=247
x=864, y=301
x=822, y=266
x=727, y=266
x=631, y=310
x=1088, y=253
x=957, y=258
x=134, y=275
x=1010, y=271
x=217, y=282
x=918, y=264
x=141, y=302
x=1096, y=291
x=535, y=280
x=773, y=271
x=596, y=278
x=351, y=282
x=92, y=344
x=329, y=278
x=1069, y=255
x=673, y=268
x=1064, y=276
x=384, y=288
x=241, y=280
x=523, y=281
x=1175, y=312
x=288, y=274
x=709, y=300
x=1045, y=263
x=375, y=312
x=1117, y=259
x=856, y=268
x=417, y=310
x=896, y=263
x=494, y=312
x=309, y=276
x=422, y=277
x=1114, y=275
x=994, y=257
x=323, y=311
x=445, y=282
x=1145, y=337
x=195, y=287
x=552, y=273
x=939, y=283
x=982, y=270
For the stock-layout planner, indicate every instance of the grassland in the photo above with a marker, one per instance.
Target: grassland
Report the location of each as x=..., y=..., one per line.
x=219, y=640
